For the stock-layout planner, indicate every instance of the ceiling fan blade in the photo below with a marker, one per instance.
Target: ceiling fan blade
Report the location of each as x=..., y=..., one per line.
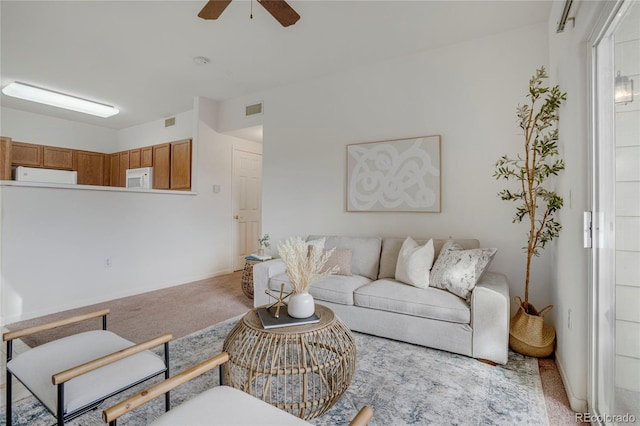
x=280, y=10
x=213, y=9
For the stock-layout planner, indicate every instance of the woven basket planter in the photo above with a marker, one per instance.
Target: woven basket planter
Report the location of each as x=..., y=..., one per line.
x=529, y=335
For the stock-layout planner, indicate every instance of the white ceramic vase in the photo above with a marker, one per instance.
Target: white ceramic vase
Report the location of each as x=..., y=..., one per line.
x=301, y=305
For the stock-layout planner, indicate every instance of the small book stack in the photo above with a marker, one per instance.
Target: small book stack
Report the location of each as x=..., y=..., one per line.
x=257, y=257
x=268, y=319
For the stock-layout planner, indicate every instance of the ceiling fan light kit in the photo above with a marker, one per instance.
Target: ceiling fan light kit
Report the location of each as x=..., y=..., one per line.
x=57, y=99
x=279, y=9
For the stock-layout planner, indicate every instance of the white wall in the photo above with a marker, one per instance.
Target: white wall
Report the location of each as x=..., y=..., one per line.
x=155, y=132
x=40, y=129
x=55, y=241
x=569, y=68
x=36, y=128
x=468, y=93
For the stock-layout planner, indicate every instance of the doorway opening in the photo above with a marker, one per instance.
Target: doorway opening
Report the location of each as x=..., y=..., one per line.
x=615, y=360
x=246, y=194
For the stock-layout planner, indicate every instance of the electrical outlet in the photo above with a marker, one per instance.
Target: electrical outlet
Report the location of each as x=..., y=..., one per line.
x=569, y=319
x=107, y=262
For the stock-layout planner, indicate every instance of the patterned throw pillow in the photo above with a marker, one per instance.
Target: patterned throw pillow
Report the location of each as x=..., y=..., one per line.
x=414, y=263
x=458, y=270
x=340, y=257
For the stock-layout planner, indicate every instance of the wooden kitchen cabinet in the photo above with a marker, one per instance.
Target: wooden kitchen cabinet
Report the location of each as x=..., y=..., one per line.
x=181, y=164
x=114, y=166
x=134, y=158
x=146, y=156
x=161, y=166
x=171, y=162
x=57, y=158
x=124, y=165
x=5, y=158
x=26, y=154
x=33, y=155
x=106, y=169
x=90, y=167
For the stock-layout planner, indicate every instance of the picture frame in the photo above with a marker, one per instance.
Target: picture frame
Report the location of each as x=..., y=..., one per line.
x=399, y=175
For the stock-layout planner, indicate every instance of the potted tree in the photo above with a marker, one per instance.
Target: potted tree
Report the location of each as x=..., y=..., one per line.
x=536, y=204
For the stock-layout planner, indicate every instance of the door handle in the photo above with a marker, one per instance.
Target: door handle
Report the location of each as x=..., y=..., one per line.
x=236, y=217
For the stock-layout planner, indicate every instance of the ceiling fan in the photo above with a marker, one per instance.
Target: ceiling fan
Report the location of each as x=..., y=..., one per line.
x=279, y=9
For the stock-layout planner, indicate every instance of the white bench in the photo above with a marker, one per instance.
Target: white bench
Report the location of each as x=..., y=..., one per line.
x=221, y=405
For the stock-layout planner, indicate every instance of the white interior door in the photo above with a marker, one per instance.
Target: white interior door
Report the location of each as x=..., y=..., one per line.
x=247, y=202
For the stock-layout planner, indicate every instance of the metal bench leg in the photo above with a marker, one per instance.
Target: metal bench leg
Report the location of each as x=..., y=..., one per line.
x=167, y=396
x=9, y=377
x=9, y=397
x=60, y=413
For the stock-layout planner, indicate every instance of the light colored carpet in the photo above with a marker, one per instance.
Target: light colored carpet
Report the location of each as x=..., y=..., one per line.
x=179, y=310
x=555, y=395
x=404, y=384
x=144, y=316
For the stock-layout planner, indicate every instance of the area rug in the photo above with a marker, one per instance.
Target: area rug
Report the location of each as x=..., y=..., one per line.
x=404, y=384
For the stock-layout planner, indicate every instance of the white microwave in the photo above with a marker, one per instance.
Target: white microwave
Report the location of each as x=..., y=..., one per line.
x=141, y=178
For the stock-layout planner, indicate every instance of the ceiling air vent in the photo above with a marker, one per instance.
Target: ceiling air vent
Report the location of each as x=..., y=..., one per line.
x=170, y=122
x=253, y=109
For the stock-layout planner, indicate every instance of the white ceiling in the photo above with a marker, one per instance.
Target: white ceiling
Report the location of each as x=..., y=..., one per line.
x=138, y=55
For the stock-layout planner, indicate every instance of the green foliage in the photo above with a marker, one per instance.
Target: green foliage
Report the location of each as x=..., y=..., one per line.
x=531, y=169
x=264, y=241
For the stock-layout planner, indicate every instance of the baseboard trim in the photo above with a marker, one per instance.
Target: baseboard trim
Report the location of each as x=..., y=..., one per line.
x=577, y=404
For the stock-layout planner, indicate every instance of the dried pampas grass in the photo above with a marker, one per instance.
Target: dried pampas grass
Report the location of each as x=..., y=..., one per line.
x=304, y=263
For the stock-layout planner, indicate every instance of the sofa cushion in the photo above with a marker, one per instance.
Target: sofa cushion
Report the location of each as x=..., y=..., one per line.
x=391, y=249
x=458, y=270
x=334, y=288
x=340, y=258
x=365, y=251
x=414, y=263
x=394, y=296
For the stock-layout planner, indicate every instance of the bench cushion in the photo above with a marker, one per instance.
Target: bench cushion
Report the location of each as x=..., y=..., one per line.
x=394, y=296
x=35, y=367
x=225, y=405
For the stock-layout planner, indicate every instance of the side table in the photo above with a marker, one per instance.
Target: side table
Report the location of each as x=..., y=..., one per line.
x=301, y=369
x=246, y=281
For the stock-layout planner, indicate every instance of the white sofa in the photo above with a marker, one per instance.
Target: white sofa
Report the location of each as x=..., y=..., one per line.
x=371, y=300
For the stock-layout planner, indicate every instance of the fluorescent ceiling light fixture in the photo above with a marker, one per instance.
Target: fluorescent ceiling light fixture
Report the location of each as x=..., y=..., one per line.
x=60, y=100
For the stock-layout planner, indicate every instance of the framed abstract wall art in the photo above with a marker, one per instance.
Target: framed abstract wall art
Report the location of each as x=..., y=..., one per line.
x=401, y=175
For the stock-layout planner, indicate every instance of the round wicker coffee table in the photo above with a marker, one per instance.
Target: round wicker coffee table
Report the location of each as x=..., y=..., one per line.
x=301, y=369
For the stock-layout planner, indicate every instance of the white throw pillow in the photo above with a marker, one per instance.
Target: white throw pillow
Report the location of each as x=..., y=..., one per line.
x=414, y=263
x=315, y=244
x=458, y=270
x=319, y=243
